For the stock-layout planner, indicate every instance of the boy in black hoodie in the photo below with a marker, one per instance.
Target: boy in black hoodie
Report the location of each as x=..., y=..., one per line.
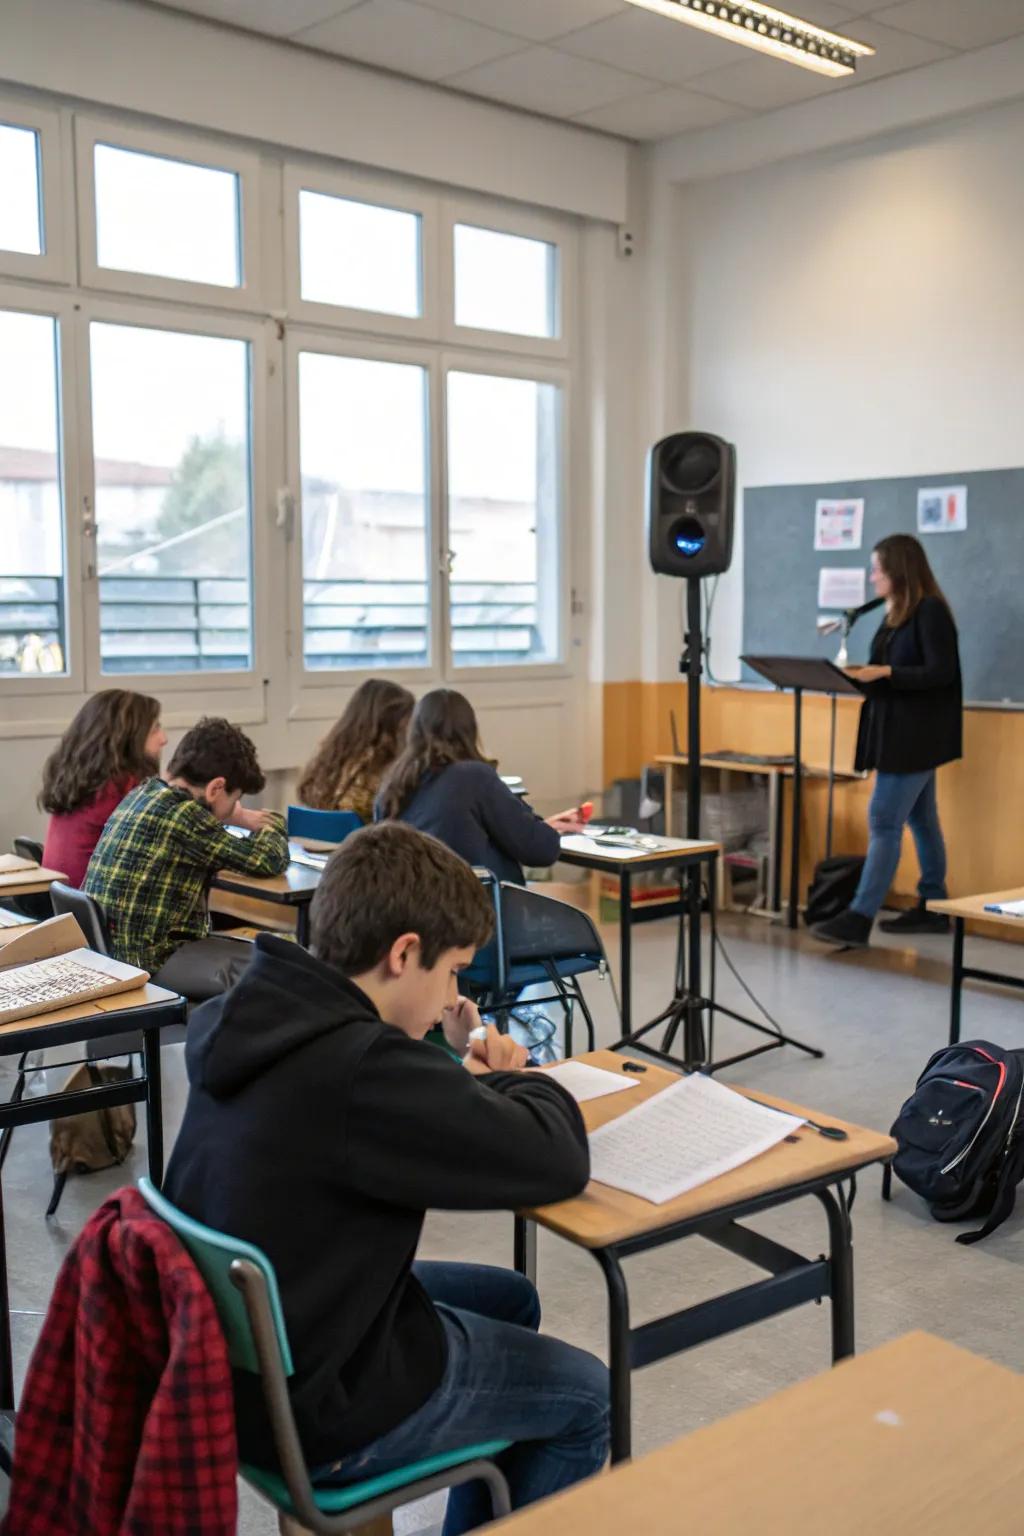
x=321, y=1126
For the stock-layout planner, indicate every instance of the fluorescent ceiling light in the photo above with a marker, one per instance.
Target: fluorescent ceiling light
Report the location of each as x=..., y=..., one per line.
x=763, y=27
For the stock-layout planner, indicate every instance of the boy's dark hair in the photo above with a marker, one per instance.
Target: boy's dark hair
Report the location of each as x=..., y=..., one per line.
x=215, y=748
x=387, y=880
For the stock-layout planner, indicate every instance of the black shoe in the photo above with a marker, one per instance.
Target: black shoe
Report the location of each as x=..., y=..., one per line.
x=917, y=920
x=850, y=930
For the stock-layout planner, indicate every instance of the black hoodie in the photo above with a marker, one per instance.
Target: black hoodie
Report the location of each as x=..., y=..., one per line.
x=323, y=1135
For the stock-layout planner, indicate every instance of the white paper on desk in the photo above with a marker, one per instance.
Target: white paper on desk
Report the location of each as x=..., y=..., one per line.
x=841, y=586
x=686, y=1135
x=585, y=1082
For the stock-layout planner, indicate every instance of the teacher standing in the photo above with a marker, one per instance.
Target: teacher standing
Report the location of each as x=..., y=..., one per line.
x=911, y=723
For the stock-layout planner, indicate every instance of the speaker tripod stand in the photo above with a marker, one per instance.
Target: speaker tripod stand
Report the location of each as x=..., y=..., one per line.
x=689, y=1004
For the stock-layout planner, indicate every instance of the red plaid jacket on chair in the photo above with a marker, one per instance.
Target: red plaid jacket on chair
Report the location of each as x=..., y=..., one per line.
x=126, y=1426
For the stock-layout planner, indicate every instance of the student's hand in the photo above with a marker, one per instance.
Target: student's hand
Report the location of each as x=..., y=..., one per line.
x=568, y=822
x=498, y=1053
x=457, y=1021
x=252, y=821
x=870, y=674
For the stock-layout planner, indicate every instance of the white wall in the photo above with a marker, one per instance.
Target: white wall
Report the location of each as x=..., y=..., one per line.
x=858, y=313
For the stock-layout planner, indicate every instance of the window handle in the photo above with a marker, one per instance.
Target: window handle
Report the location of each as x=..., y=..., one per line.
x=89, y=532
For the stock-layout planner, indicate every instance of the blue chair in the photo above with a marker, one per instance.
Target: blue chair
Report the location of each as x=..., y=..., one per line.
x=321, y=826
x=243, y=1286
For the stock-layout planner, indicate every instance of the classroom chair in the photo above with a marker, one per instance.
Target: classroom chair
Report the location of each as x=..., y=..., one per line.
x=35, y=906
x=321, y=826
x=243, y=1286
x=28, y=848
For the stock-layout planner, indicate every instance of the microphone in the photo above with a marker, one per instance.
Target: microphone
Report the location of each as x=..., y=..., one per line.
x=851, y=615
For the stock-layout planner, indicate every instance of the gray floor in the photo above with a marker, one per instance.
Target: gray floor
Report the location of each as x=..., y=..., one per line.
x=878, y=1016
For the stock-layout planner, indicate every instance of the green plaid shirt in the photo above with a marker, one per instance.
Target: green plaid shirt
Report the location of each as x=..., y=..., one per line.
x=153, y=865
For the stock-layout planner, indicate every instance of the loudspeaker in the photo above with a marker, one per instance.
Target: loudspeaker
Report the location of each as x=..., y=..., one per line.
x=691, y=490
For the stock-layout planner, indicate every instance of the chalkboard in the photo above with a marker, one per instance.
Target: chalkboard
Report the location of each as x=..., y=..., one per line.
x=980, y=570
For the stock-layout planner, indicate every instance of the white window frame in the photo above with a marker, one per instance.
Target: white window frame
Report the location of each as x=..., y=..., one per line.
x=208, y=154
x=52, y=265
x=319, y=694
x=191, y=690
x=61, y=308
x=505, y=220
x=539, y=373
x=354, y=186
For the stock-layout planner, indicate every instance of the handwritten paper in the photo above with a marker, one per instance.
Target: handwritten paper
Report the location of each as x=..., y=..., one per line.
x=685, y=1136
x=586, y=1082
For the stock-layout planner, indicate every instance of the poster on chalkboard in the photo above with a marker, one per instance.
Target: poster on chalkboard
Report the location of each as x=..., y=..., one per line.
x=942, y=509
x=838, y=525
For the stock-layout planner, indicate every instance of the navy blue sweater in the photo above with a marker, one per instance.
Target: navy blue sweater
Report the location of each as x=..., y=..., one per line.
x=467, y=807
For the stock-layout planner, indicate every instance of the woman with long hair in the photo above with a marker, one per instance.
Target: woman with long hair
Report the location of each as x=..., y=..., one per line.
x=353, y=757
x=911, y=723
x=443, y=784
x=112, y=744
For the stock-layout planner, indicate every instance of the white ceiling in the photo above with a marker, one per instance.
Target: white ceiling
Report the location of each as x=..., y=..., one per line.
x=607, y=64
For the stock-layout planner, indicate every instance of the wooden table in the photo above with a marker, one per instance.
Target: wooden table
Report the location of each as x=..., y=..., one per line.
x=613, y=1225
x=295, y=888
x=28, y=882
x=623, y=863
x=960, y=908
x=147, y=1009
x=918, y=1437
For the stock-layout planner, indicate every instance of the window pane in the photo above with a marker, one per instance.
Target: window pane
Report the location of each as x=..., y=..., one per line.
x=167, y=218
x=505, y=283
x=173, y=500
x=21, y=226
x=32, y=636
x=503, y=511
x=359, y=255
x=365, y=509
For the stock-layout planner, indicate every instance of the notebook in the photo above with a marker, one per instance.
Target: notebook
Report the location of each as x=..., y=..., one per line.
x=49, y=966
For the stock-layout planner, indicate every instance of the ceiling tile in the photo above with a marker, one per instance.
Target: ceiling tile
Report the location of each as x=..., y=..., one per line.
x=893, y=51
x=958, y=23
x=537, y=20
x=824, y=13
x=659, y=114
x=761, y=84
x=543, y=80
x=410, y=38
x=651, y=45
x=278, y=18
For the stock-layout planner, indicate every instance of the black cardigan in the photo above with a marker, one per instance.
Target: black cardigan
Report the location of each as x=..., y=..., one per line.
x=914, y=720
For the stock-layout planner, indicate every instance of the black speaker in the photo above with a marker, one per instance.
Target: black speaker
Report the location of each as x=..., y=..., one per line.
x=691, y=491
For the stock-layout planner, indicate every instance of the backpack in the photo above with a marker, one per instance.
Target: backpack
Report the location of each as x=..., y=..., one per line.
x=98, y=1138
x=961, y=1135
x=833, y=887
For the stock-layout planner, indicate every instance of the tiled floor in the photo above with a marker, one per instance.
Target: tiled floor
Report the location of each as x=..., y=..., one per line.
x=878, y=1016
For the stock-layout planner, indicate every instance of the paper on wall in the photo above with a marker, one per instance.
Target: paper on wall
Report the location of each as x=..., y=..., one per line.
x=838, y=524
x=942, y=509
x=841, y=586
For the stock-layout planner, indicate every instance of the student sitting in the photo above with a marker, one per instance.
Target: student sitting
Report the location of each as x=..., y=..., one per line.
x=352, y=759
x=162, y=846
x=443, y=784
x=322, y=1127
x=112, y=744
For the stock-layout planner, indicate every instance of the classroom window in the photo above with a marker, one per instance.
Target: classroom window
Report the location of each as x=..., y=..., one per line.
x=166, y=217
x=172, y=462
x=363, y=458
x=32, y=589
x=504, y=483
x=21, y=219
x=505, y=282
x=360, y=255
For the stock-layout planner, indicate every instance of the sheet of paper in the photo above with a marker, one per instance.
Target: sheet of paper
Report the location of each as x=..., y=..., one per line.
x=942, y=509
x=1006, y=908
x=838, y=524
x=586, y=1082
x=685, y=1136
x=841, y=586
x=624, y=848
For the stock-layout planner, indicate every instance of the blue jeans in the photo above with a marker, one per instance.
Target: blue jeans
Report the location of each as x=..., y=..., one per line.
x=503, y=1381
x=902, y=799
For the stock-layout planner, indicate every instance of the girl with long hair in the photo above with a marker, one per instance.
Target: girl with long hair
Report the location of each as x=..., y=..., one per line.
x=112, y=744
x=443, y=784
x=911, y=723
x=346, y=772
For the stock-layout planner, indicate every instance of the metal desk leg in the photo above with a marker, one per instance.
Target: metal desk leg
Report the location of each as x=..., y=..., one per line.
x=775, y=801
x=525, y=1248
x=618, y=1354
x=794, y=837
x=154, y=1105
x=302, y=924
x=6, y=1357
x=956, y=996
x=840, y=1232
x=626, y=949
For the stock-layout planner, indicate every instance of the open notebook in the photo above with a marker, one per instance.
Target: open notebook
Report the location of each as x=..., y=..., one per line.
x=49, y=967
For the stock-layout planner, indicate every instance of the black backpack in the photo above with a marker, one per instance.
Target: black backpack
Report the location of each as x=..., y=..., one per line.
x=961, y=1135
x=833, y=887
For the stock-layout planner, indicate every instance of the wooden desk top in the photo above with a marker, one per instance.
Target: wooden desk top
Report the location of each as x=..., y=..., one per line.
x=810, y=770
x=296, y=885
x=861, y=1450
x=602, y=1216
x=974, y=906
x=28, y=882
x=577, y=849
x=120, y=1002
